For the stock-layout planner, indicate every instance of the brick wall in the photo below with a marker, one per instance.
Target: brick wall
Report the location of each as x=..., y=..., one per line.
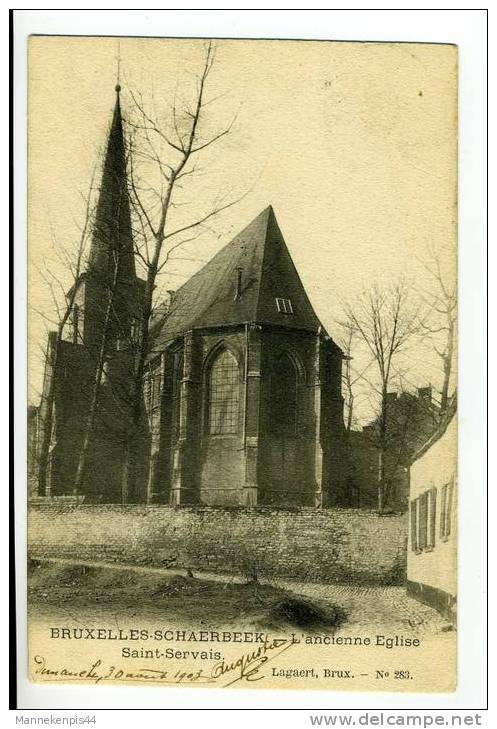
x=305, y=543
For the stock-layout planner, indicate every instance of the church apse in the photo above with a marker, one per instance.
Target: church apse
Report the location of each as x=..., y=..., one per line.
x=252, y=408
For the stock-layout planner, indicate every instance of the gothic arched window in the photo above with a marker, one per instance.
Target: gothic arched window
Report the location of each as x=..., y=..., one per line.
x=283, y=397
x=75, y=324
x=223, y=395
x=176, y=396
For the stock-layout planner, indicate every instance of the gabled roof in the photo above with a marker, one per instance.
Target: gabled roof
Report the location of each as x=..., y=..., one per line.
x=208, y=298
x=442, y=427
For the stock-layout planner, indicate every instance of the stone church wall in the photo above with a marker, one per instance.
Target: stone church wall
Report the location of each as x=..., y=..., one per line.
x=330, y=545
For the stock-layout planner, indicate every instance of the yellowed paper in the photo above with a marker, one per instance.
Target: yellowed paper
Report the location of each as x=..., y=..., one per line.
x=242, y=363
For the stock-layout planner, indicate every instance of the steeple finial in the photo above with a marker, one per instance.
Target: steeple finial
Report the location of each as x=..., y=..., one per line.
x=118, y=79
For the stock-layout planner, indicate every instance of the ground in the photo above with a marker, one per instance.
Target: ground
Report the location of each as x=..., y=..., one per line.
x=92, y=592
x=324, y=636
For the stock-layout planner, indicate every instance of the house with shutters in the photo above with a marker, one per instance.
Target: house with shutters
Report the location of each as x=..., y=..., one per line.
x=431, y=549
x=242, y=390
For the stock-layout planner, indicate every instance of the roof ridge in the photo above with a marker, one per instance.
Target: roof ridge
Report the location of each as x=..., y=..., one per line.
x=209, y=297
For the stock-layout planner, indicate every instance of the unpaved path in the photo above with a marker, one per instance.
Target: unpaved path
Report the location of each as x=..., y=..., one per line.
x=383, y=608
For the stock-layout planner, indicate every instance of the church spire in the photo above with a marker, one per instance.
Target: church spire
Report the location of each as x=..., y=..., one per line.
x=112, y=242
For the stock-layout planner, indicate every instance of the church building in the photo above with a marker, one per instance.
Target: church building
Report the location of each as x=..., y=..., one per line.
x=242, y=391
x=96, y=344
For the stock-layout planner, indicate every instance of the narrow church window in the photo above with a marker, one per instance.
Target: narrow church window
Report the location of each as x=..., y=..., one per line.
x=105, y=372
x=75, y=324
x=152, y=385
x=156, y=387
x=147, y=391
x=224, y=395
x=176, y=396
x=283, y=398
x=284, y=306
x=135, y=332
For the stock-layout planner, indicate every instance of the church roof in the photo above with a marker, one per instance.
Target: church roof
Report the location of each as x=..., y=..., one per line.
x=112, y=233
x=258, y=267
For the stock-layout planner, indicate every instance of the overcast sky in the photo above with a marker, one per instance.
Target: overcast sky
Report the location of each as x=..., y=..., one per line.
x=353, y=144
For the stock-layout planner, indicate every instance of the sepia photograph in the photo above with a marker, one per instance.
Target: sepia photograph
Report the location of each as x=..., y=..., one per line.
x=242, y=363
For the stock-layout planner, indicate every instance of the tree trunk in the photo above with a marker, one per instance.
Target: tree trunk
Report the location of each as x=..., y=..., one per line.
x=382, y=451
x=79, y=484
x=128, y=477
x=43, y=456
x=381, y=478
x=350, y=413
x=53, y=353
x=447, y=366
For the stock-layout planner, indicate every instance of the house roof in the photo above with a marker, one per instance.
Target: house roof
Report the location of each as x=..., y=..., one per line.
x=442, y=427
x=209, y=298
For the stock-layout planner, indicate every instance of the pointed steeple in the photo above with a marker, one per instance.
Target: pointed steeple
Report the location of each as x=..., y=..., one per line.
x=112, y=242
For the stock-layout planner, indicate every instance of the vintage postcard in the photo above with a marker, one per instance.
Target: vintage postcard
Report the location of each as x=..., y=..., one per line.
x=242, y=414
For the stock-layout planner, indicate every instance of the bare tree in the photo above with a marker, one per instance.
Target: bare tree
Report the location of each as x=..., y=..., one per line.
x=440, y=322
x=103, y=350
x=63, y=305
x=169, y=152
x=346, y=344
x=353, y=377
x=64, y=326
x=386, y=322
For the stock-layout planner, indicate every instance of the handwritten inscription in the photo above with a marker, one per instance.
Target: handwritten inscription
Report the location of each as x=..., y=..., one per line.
x=246, y=667
x=97, y=672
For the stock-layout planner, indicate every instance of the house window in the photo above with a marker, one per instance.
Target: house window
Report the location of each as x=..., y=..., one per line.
x=283, y=398
x=423, y=521
x=446, y=509
x=423, y=514
x=284, y=306
x=224, y=395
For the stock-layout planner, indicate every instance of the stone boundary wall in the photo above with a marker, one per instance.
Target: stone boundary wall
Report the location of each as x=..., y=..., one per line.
x=329, y=545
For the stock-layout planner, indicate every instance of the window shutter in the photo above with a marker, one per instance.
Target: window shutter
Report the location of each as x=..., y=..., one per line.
x=433, y=515
x=423, y=520
x=448, y=518
x=443, y=510
x=414, y=530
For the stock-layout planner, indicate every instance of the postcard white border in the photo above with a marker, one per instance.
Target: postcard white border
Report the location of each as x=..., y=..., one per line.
x=467, y=30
